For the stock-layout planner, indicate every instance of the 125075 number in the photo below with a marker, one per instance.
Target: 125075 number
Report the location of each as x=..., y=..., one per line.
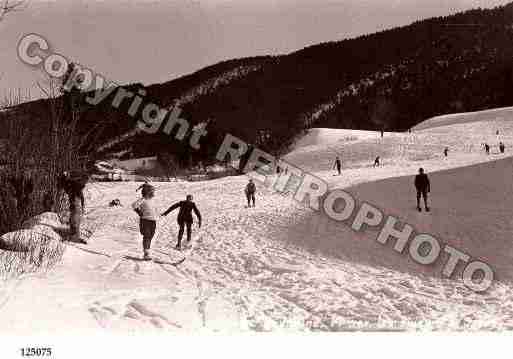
x=36, y=352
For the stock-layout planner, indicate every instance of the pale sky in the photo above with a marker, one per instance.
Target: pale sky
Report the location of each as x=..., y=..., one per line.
x=156, y=41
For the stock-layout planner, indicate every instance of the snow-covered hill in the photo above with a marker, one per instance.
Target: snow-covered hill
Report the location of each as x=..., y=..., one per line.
x=504, y=113
x=280, y=266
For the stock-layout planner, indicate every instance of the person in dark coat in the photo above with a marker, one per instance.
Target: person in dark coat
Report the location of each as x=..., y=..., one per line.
x=250, y=191
x=184, y=218
x=487, y=148
x=423, y=187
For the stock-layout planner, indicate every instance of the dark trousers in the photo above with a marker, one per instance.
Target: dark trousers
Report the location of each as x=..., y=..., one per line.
x=250, y=197
x=147, y=228
x=183, y=224
x=423, y=193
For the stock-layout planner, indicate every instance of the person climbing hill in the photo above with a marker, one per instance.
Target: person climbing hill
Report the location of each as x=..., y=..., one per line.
x=147, y=218
x=250, y=191
x=184, y=218
x=423, y=187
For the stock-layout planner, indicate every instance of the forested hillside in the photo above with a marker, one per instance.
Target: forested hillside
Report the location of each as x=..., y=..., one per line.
x=392, y=79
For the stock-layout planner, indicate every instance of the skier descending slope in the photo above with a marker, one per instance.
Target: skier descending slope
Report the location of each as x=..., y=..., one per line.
x=423, y=187
x=250, y=192
x=185, y=218
x=148, y=218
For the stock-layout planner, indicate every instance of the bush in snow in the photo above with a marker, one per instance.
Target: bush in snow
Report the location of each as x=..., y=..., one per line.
x=28, y=250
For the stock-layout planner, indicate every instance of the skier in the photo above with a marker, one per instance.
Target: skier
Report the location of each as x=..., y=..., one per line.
x=250, y=191
x=338, y=165
x=446, y=151
x=185, y=217
x=382, y=132
x=423, y=187
x=487, y=148
x=147, y=218
x=376, y=162
x=73, y=185
x=502, y=147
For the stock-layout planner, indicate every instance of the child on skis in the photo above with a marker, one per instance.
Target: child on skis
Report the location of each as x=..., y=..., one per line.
x=148, y=218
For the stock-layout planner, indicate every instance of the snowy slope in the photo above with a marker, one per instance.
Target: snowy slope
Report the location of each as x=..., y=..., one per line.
x=403, y=152
x=329, y=136
x=279, y=266
x=503, y=113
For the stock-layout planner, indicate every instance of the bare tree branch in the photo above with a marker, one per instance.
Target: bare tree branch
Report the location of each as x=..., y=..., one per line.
x=7, y=6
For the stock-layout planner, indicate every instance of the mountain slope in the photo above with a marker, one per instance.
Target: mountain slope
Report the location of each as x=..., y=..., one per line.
x=281, y=267
x=393, y=79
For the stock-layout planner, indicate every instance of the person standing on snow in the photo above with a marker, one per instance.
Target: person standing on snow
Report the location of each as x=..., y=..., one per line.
x=376, y=162
x=446, y=151
x=147, y=218
x=423, y=187
x=338, y=165
x=487, y=148
x=250, y=191
x=73, y=185
x=185, y=218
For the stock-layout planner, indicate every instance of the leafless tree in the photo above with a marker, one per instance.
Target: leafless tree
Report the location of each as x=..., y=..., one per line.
x=7, y=6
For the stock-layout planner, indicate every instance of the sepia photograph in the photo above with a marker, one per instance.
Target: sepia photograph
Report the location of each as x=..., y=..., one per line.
x=255, y=178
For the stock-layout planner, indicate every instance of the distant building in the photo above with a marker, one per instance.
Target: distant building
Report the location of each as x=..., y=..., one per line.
x=134, y=164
